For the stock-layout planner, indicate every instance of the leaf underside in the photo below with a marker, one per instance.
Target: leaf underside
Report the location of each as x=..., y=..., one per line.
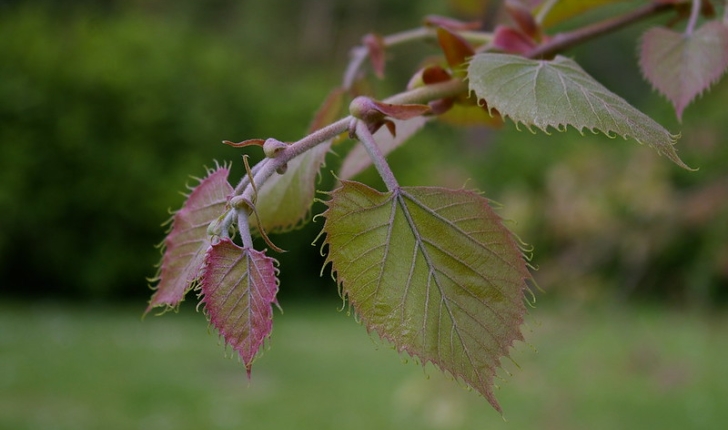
x=433, y=271
x=682, y=66
x=238, y=287
x=187, y=241
x=559, y=93
x=285, y=199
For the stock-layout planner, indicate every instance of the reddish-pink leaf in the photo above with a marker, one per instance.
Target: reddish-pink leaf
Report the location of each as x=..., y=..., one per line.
x=375, y=113
x=329, y=111
x=512, y=41
x=682, y=66
x=238, y=288
x=187, y=242
x=523, y=18
x=435, y=74
x=376, y=47
x=457, y=50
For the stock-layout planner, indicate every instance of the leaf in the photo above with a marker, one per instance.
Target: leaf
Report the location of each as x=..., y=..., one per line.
x=187, y=241
x=559, y=93
x=563, y=10
x=509, y=39
x=238, y=287
x=357, y=159
x=456, y=49
x=329, y=111
x=682, y=66
x=376, y=47
x=523, y=18
x=285, y=199
x=433, y=271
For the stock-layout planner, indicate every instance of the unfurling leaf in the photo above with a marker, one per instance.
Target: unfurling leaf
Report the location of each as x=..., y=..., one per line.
x=188, y=240
x=285, y=199
x=456, y=49
x=376, y=47
x=358, y=159
x=433, y=271
x=559, y=93
x=238, y=288
x=523, y=18
x=682, y=66
x=509, y=39
x=329, y=111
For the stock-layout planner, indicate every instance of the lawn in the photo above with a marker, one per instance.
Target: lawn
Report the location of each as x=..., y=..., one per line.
x=101, y=367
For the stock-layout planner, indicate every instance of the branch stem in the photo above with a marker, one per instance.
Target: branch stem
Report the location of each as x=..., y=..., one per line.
x=267, y=167
x=563, y=41
x=694, y=14
x=359, y=54
x=380, y=163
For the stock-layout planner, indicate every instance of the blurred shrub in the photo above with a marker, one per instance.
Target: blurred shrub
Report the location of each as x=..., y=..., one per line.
x=104, y=113
x=102, y=119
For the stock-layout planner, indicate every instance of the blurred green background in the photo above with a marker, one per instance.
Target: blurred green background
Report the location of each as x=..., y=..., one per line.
x=108, y=107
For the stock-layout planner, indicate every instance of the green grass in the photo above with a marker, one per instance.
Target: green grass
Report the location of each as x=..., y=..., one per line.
x=71, y=367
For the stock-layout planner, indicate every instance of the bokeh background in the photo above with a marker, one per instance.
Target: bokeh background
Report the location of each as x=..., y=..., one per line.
x=108, y=107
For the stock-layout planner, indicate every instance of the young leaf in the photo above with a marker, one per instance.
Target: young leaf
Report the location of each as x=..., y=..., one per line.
x=509, y=39
x=456, y=49
x=559, y=93
x=284, y=199
x=187, y=242
x=681, y=66
x=523, y=18
x=433, y=271
x=357, y=159
x=238, y=287
x=329, y=111
x=375, y=44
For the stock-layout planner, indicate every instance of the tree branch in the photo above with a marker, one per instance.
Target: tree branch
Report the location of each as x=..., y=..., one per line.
x=563, y=41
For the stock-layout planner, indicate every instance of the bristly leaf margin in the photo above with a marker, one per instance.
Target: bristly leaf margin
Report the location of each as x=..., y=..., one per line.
x=184, y=247
x=238, y=287
x=464, y=266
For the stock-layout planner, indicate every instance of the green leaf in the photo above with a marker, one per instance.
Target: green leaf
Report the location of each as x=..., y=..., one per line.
x=681, y=66
x=238, y=287
x=285, y=199
x=432, y=270
x=187, y=241
x=559, y=93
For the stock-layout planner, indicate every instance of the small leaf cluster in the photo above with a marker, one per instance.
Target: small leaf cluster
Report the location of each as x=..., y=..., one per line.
x=434, y=271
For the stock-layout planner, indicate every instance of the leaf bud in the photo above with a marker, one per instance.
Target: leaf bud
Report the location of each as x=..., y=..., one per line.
x=215, y=227
x=281, y=170
x=272, y=147
x=365, y=109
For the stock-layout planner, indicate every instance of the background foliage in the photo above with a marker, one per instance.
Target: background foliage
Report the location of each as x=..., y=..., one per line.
x=106, y=108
